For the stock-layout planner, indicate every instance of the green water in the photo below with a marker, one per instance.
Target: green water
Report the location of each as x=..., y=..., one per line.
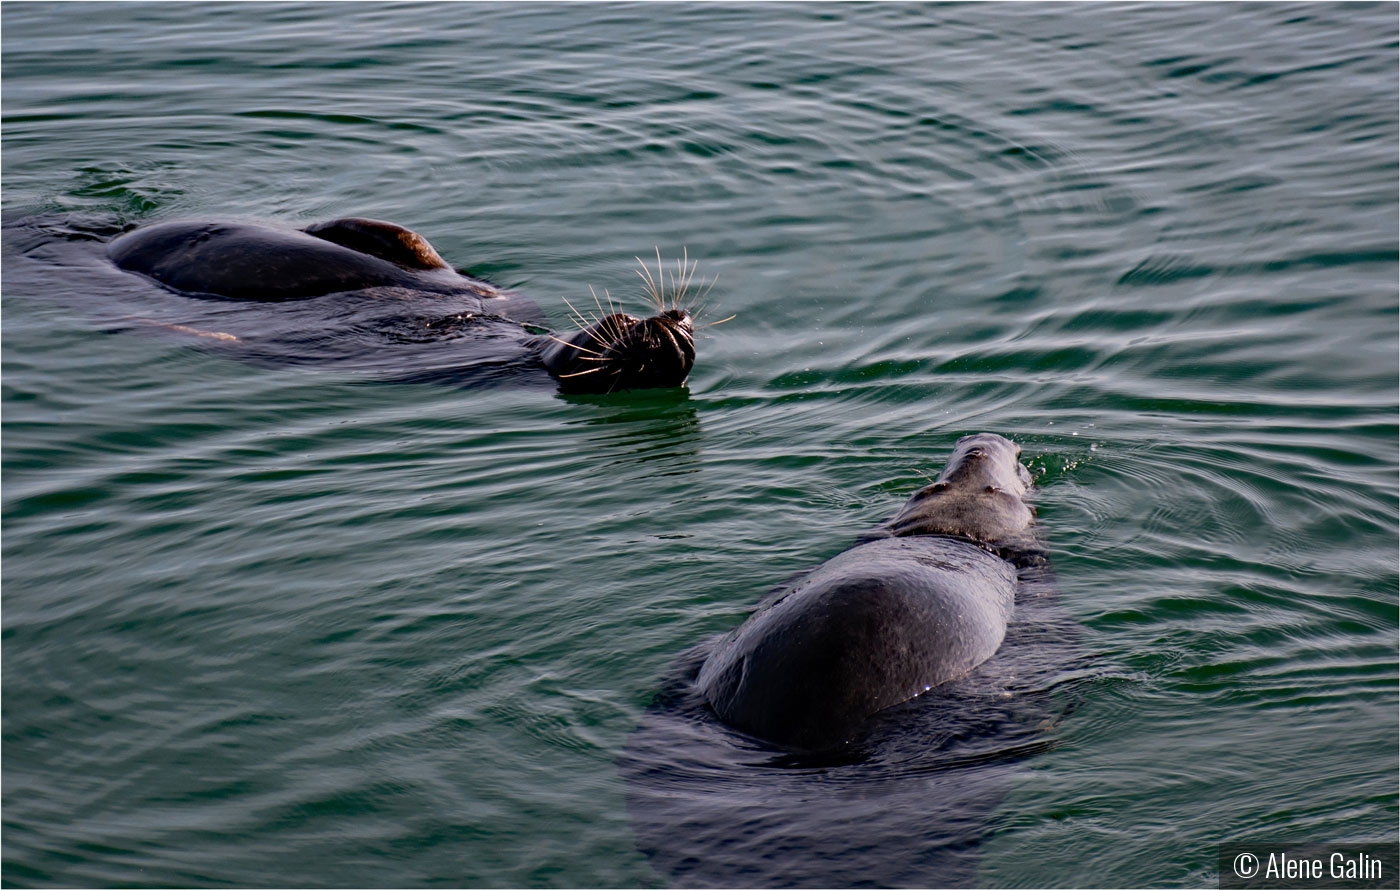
x=279, y=626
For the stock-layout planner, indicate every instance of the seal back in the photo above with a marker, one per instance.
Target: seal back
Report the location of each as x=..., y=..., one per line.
x=874, y=626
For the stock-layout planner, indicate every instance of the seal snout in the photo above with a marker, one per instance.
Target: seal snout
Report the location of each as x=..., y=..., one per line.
x=676, y=328
x=661, y=349
x=621, y=351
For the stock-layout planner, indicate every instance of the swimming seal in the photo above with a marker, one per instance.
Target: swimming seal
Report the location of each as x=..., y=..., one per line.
x=771, y=756
x=922, y=601
x=399, y=268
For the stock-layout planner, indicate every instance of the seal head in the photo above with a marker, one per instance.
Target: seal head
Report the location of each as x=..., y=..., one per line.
x=979, y=497
x=621, y=351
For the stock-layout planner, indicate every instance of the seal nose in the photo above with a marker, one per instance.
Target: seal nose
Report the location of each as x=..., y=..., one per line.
x=677, y=317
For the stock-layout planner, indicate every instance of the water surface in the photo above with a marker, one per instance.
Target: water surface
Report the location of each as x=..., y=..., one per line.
x=281, y=626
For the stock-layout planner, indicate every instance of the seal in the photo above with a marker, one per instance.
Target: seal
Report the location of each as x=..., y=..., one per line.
x=921, y=601
x=864, y=726
x=387, y=262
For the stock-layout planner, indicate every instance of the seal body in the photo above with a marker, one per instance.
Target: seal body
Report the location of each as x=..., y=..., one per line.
x=924, y=601
x=875, y=626
x=390, y=264
x=263, y=263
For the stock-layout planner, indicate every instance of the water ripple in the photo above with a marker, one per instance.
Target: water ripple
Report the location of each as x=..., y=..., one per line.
x=269, y=625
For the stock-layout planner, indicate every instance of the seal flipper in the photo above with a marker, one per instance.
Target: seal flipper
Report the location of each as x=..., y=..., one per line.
x=385, y=240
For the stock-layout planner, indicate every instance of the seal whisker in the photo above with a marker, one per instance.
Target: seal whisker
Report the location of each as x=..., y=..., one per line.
x=648, y=289
x=653, y=292
x=557, y=339
x=685, y=270
x=611, y=330
x=660, y=282
x=709, y=287
x=699, y=300
x=622, y=325
x=577, y=317
x=598, y=303
x=672, y=290
x=661, y=279
x=608, y=313
x=710, y=324
x=572, y=308
x=582, y=373
x=699, y=311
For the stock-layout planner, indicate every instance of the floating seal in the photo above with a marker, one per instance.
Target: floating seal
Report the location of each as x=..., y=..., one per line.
x=922, y=602
x=267, y=264
x=865, y=725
